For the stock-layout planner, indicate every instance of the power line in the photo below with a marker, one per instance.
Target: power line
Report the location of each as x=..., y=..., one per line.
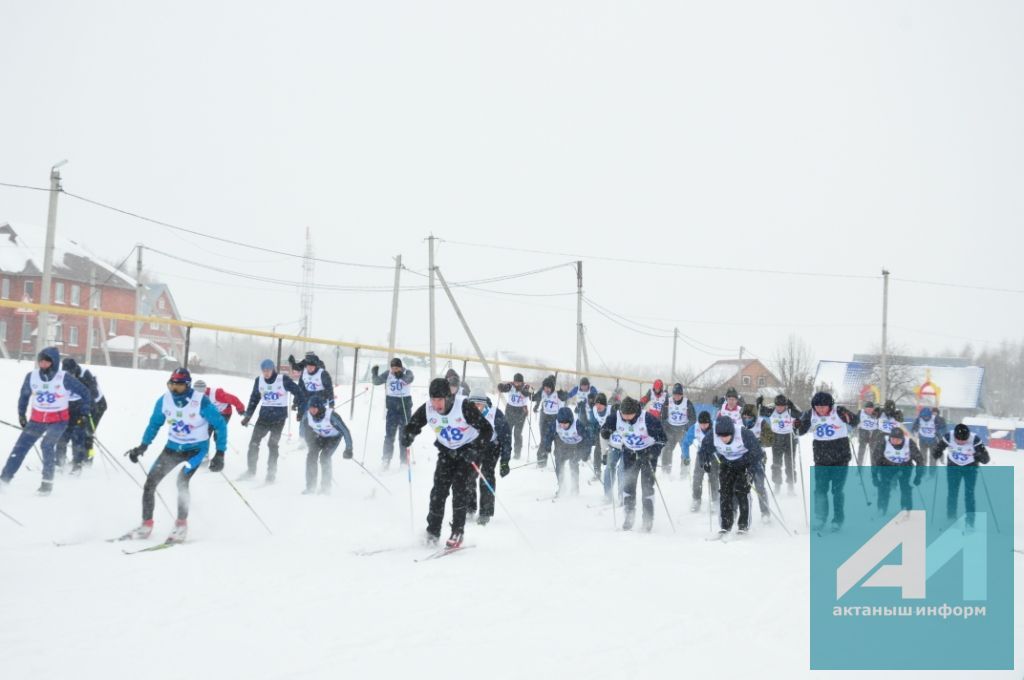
x=23, y=186
x=958, y=285
x=687, y=340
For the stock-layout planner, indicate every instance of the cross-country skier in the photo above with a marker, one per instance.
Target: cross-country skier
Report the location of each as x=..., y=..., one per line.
x=730, y=408
x=270, y=393
x=598, y=415
x=781, y=418
x=398, y=404
x=758, y=427
x=79, y=433
x=964, y=451
x=929, y=426
x=324, y=432
x=498, y=448
x=738, y=453
x=223, y=401
x=677, y=414
x=867, y=428
x=314, y=379
x=189, y=416
x=831, y=427
x=642, y=440
x=891, y=460
x=700, y=432
x=571, y=446
x=517, y=394
x=886, y=421
x=48, y=388
x=549, y=401
x=455, y=383
x=655, y=399
x=461, y=432
x=582, y=391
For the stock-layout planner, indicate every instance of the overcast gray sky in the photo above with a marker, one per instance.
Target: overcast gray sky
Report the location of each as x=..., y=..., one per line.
x=804, y=136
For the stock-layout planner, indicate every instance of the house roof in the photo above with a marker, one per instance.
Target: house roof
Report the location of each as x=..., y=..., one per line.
x=960, y=385
x=719, y=373
x=152, y=293
x=126, y=343
x=21, y=248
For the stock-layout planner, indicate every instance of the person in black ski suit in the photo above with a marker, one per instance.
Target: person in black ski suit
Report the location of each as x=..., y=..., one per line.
x=831, y=426
x=313, y=379
x=892, y=459
x=642, y=440
x=498, y=448
x=461, y=432
x=270, y=393
x=964, y=451
x=547, y=401
x=781, y=420
x=324, y=432
x=398, y=403
x=79, y=432
x=517, y=404
x=739, y=455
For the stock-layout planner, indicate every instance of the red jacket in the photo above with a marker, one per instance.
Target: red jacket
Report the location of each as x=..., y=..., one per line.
x=224, y=401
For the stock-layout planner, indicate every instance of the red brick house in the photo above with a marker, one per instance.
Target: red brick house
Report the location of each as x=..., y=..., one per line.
x=750, y=377
x=74, y=271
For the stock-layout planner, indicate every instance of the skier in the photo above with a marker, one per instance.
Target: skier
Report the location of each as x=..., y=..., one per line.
x=758, y=427
x=891, y=459
x=781, y=420
x=461, y=430
x=49, y=389
x=869, y=415
x=886, y=421
x=79, y=432
x=455, y=383
x=398, y=403
x=222, y=400
x=324, y=431
x=677, y=414
x=642, y=441
x=831, y=425
x=518, y=395
x=655, y=399
x=701, y=430
x=739, y=454
x=498, y=448
x=549, y=401
x=270, y=392
x=597, y=418
x=583, y=390
x=929, y=426
x=314, y=379
x=730, y=408
x=571, y=446
x=964, y=451
x=189, y=416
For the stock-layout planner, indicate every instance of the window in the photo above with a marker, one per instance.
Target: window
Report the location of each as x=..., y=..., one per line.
x=761, y=382
x=5, y=289
x=113, y=326
x=746, y=381
x=30, y=289
x=73, y=336
x=160, y=305
x=26, y=332
x=154, y=326
x=76, y=295
x=58, y=292
x=58, y=333
x=3, y=331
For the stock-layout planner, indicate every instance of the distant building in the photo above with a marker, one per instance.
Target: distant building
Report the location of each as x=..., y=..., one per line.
x=750, y=377
x=78, y=278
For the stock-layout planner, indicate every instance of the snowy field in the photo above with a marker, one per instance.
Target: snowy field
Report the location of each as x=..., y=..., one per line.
x=579, y=599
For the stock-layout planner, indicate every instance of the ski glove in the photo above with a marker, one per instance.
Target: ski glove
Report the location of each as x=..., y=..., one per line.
x=917, y=477
x=505, y=469
x=217, y=464
x=298, y=417
x=245, y=421
x=405, y=440
x=759, y=401
x=375, y=370
x=22, y=420
x=136, y=453
x=347, y=453
x=706, y=467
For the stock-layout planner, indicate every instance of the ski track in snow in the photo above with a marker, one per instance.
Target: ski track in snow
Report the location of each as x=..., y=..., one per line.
x=586, y=600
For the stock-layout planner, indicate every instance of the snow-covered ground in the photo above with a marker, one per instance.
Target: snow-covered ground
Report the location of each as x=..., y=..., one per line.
x=579, y=599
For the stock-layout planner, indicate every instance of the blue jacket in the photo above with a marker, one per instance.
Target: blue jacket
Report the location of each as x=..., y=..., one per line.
x=207, y=410
x=72, y=384
x=940, y=429
x=576, y=390
x=274, y=414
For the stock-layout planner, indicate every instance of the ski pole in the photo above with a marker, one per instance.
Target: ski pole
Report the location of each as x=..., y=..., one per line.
x=247, y=504
x=366, y=434
x=105, y=451
x=935, y=496
x=365, y=390
x=860, y=473
x=480, y=474
x=711, y=500
x=803, y=491
x=991, y=508
x=371, y=475
x=777, y=506
x=11, y=517
x=657, y=486
x=408, y=470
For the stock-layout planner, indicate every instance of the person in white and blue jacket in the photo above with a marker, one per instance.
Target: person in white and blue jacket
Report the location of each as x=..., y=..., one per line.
x=324, y=432
x=572, y=444
x=189, y=416
x=48, y=389
x=963, y=451
x=398, y=405
x=642, y=440
x=739, y=455
x=583, y=390
x=929, y=426
x=269, y=393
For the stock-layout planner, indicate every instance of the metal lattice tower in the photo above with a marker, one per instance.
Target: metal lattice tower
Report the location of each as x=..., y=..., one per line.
x=306, y=292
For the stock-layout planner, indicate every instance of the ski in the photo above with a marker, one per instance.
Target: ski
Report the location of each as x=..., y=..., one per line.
x=151, y=548
x=720, y=537
x=377, y=551
x=443, y=552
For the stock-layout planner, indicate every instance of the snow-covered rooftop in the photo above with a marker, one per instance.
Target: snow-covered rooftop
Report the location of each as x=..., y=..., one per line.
x=21, y=252
x=960, y=385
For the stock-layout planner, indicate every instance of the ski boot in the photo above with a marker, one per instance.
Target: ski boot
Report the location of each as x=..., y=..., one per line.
x=430, y=540
x=454, y=541
x=627, y=524
x=647, y=524
x=246, y=476
x=742, y=531
x=482, y=520
x=790, y=491
x=309, y=491
x=140, y=532
x=271, y=477
x=179, y=533
x=76, y=469
x=766, y=518
x=45, y=489
x=695, y=505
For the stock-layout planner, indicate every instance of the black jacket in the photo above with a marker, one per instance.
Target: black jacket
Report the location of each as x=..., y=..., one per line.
x=834, y=451
x=980, y=452
x=472, y=416
x=754, y=456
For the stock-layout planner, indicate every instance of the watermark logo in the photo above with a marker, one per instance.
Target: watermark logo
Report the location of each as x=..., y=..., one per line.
x=909, y=572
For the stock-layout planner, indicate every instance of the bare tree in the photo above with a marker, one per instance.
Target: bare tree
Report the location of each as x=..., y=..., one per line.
x=793, y=363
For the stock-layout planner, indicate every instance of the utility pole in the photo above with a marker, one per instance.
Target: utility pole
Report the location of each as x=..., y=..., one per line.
x=138, y=304
x=884, y=390
x=472, y=338
x=675, y=342
x=89, y=319
x=430, y=286
x=579, y=317
x=394, y=307
x=741, y=352
x=43, y=329
x=586, y=357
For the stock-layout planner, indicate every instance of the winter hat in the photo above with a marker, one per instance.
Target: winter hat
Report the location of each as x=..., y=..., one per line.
x=724, y=426
x=549, y=382
x=396, y=362
x=601, y=398
x=439, y=389
x=677, y=388
x=478, y=396
x=822, y=399
x=896, y=433
x=629, y=405
x=71, y=366
x=704, y=417
x=267, y=365
x=869, y=404
x=659, y=385
x=181, y=376
x=780, y=400
x=452, y=377
x=518, y=377
x=961, y=432
x=926, y=413
x=564, y=415
x=731, y=392
x=584, y=381
x=199, y=386
x=748, y=411
x=320, y=404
